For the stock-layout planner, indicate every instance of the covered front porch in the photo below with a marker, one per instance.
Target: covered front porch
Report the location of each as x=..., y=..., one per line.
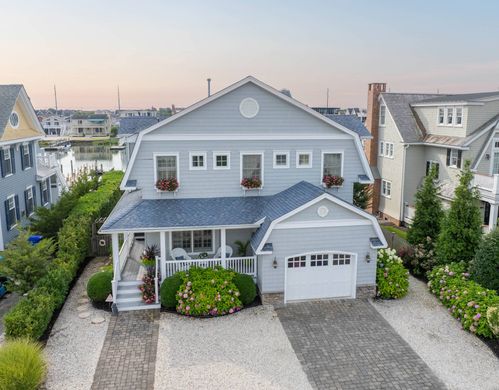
x=178, y=250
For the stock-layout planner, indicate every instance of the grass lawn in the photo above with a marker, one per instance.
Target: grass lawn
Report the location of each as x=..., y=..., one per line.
x=399, y=232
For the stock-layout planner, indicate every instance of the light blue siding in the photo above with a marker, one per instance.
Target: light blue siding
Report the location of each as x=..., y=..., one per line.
x=289, y=242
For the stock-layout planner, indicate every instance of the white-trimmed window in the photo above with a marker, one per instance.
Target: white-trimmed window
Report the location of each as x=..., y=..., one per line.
x=386, y=149
x=441, y=116
x=221, y=160
x=459, y=116
x=449, y=116
x=252, y=166
x=332, y=164
x=430, y=165
x=7, y=163
x=454, y=157
x=26, y=156
x=166, y=166
x=44, y=192
x=382, y=115
x=495, y=157
x=193, y=241
x=29, y=198
x=11, y=212
x=386, y=188
x=281, y=159
x=303, y=159
x=197, y=161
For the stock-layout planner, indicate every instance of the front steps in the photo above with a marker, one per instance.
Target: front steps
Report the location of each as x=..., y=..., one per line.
x=129, y=297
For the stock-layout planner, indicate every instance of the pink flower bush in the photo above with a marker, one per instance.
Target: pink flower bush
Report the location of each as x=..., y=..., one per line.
x=167, y=184
x=332, y=181
x=251, y=183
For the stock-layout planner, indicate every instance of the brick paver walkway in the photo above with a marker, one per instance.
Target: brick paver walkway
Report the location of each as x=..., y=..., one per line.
x=347, y=344
x=128, y=357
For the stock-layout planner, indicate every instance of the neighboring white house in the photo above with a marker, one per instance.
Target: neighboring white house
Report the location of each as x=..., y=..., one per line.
x=305, y=241
x=413, y=132
x=55, y=125
x=89, y=124
x=152, y=112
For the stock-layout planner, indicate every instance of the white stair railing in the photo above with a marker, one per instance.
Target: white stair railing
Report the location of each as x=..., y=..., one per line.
x=156, y=280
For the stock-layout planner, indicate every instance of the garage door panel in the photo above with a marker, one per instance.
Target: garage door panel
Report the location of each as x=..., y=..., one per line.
x=325, y=275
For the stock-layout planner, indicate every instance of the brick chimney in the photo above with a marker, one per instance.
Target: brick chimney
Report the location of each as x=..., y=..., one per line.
x=371, y=146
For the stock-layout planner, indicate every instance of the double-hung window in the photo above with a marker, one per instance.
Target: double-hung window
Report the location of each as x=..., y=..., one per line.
x=495, y=157
x=386, y=188
x=193, y=241
x=441, y=116
x=44, y=189
x=382, y=115
x=281, y=159
x=303, y=159
x=432, y=165
x=11, y=211
x=221, y=160
x=197, y=161
x=459, y=116
x=386, y=149
x=252, y=166
x=454, y=158
x=450, y=116
x=167, y=167
x=332, y=164
x=7, y=157
x=29, y=198
x=26, y=156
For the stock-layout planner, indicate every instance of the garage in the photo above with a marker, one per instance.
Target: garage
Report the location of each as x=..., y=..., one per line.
x=319, y=275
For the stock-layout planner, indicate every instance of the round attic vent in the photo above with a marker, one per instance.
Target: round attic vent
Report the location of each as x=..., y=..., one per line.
x=322, y=211
x=14, y=120
x=249, y=108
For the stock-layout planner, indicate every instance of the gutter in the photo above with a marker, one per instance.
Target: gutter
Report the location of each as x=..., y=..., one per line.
x=401, y=217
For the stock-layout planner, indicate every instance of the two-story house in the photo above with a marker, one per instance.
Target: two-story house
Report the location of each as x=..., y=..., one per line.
x=28, y=178
x=93, y=125
x=414, y=132
x=247, y=164
x=57, y=125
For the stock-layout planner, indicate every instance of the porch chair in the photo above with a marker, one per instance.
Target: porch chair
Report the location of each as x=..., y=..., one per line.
x=179, y=254
x=228, y=252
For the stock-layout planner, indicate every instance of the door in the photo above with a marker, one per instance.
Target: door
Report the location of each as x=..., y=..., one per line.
x=326, y=274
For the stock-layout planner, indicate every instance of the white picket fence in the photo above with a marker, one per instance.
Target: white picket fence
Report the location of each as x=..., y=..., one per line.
x=243, y=265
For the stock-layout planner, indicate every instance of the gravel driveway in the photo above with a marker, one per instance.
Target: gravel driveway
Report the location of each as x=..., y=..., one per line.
x=460, y=359
x=247, y=350
x=74, y=346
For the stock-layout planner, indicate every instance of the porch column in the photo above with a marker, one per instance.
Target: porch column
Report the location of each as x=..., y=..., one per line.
x=494, y=209
x=162, y=244
x=223, y=252
x=116, y=256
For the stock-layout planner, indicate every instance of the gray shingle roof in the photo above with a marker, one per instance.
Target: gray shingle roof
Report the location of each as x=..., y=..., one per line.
x=135, y=213
x=8, y=97
x=399, y=106
x=351, y=122
x=463, y=97
x=132, y=125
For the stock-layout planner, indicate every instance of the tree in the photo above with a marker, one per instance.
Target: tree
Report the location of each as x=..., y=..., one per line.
x=484, y=268
x=429, y=213
x=462, y=226
x=114, y=131
x=24, y=263
x=362, y=195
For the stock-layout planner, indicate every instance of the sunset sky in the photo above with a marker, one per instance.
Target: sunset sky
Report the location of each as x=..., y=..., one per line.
x=161, y=52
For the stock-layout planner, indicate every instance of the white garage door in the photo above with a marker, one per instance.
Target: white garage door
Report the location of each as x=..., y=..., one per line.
x=320, y=275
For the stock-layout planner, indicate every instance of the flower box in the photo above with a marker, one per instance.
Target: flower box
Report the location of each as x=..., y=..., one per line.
x=330, y=181
x=251, y=183
x=170, y=185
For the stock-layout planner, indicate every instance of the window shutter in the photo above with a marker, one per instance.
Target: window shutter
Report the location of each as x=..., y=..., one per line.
x=427, y=168
x=18, y=212
x=34, y=196
x=448, y=157
x=30, y=146
x=438, y=170
x=26, y=201
x=1, y=162
x=13, y=159
x=459, y=156
x=9, y=222
x=49, y=191
x=21, y=149
x=41, y=195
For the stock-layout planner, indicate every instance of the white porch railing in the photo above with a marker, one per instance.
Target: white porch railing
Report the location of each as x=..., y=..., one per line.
x=125, y=250
x=244, y=265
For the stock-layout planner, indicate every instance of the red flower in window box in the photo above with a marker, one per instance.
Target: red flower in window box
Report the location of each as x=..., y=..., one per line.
x=332, y=181
x=167, y=184
x=251, y=183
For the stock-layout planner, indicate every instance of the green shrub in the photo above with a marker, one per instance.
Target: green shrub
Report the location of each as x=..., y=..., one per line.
x=392, y=279
x=169, y=290
x=208, y=291
x=99, y=286
x=246, y=287
x=31, y=316
x=493, y=319
x=22, y=366
x=484, y=268
x=466, y=300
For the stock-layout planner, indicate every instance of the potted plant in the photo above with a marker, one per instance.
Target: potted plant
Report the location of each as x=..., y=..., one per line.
x=170, y=185
x=251, y=183
x=332, y=181
x=148, y=260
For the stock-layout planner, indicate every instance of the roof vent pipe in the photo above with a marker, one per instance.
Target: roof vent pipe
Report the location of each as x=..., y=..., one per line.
x=209, y=87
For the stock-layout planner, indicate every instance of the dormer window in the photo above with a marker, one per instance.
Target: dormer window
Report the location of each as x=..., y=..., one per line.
x=441, y=116
x=450, y=116
x=459, y=116
x=382, y=115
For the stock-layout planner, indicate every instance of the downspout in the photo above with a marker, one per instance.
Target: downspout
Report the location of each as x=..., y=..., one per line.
x=402, y=206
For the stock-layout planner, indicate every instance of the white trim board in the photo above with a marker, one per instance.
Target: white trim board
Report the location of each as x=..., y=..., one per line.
x=231, y=88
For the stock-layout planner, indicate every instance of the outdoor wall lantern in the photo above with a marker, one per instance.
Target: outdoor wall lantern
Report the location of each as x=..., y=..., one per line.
x=368, y=258
x=274, y=263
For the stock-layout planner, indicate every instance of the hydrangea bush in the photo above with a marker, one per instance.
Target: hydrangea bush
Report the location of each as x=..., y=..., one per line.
x=208, y=292
x=392, y=279
x=466, y=300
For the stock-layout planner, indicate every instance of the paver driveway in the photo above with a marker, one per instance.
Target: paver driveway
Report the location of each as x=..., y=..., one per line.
x=347, y=344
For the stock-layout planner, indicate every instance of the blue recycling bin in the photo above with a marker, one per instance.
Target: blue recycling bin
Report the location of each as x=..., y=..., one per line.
x=35, y=239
